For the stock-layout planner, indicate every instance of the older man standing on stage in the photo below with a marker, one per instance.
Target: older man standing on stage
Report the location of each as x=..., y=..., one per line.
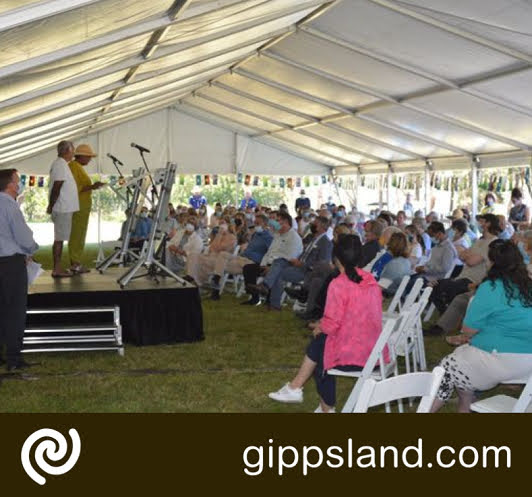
x=80, y=219
x=16, y=245
x=63, y=203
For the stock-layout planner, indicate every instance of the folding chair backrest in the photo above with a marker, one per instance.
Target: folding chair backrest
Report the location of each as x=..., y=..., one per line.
x=377, y=354
x=525, y=399
x=413, y=295
x=423, y=300
x=395, y=304
x=424, y=385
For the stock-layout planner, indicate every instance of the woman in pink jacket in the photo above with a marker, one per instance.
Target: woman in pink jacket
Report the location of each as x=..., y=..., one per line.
x=351, y=325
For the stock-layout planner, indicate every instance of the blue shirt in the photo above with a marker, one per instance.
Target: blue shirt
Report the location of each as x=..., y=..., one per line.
x=245, y=203
x=505, y=327
x=143, y=227
x=258, y=246
x=15, y=235
x=197, y=202
x=378, y=267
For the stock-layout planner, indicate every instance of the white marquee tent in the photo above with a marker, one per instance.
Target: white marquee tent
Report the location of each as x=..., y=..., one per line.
x=269, y=86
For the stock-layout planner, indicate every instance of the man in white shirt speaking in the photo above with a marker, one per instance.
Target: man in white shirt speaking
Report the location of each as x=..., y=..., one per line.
x=63, y=202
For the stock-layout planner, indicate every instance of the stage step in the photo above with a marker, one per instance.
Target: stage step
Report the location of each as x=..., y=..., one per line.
x=74, y=337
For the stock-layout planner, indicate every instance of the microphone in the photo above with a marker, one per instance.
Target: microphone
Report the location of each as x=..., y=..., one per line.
x=140, y=148
x=114, y=159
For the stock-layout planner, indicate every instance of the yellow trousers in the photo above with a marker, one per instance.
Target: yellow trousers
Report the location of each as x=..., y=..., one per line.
x=76, y=243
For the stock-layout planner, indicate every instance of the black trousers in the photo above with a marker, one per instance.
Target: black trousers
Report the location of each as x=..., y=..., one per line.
x=251, y=272
x=13, y=302
x=446, y=290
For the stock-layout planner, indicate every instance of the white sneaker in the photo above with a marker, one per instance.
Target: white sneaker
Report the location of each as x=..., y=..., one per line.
x=319, y=410
x=287, y=395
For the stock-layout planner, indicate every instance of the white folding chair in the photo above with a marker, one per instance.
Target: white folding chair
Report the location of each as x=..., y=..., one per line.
x=376, y=358
x=226, y=277
x=395, y=305
x=408, y=303
x=432, y=307
x=424, y=385
x=505, y=403
x=412, y=346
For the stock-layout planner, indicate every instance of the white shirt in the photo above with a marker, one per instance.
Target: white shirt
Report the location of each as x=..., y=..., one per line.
x=284, y=246
x=68, y=200
x=194, y=244
x=330, y=233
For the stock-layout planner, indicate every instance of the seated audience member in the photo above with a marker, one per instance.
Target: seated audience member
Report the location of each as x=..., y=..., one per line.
x=497, y=325
x=224, y=241
x=142, y=229
x=317, y=252
x=417, y=245
x=257, y=247
x=398, y=266
x=507, y=230
x=400, y=220
x=384, y=256
x=373, y=232
x=286, y=245
x=348, y=331
x=475, y=269
x=314, y=292
x=284, y=208
x=241, y=230
x=168, y=225
x=182, y=245
x=431, y=216
x=421, y=226
x=215, y=216
x=461, y=242
x=442, y=256
x=386, y=217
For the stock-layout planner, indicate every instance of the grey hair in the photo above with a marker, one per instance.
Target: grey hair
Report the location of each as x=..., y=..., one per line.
x=63, y=146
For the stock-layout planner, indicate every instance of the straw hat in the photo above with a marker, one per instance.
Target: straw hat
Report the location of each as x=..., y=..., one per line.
x=85, y=150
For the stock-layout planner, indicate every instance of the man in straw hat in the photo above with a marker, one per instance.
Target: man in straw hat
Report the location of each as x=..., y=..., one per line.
x=197, y=200
x=80, y=220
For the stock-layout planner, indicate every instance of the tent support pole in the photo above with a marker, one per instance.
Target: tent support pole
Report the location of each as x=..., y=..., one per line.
x=474, y=187
x=427, y=188
x=389, y=188
x=235, y=161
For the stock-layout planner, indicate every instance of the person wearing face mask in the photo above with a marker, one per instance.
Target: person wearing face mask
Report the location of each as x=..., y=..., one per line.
x=199, y=267
x=183, y=245
x=489, y=204
x=258, y=245
x=286, y=245
x=317, y=253
x=442, y=257
x=241, y=230
x=215, y=216
x=416, y=243
x=475, y=269
x=142, y=229
x=519, y=213
x=16, y=247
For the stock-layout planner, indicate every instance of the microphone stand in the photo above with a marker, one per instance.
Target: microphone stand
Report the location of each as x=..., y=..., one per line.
x=154, y=195
x=121, y=176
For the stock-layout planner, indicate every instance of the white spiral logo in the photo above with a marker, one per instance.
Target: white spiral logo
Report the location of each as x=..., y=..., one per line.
x=54, y=449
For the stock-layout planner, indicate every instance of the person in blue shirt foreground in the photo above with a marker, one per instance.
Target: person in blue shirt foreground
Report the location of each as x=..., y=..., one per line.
x=497, y=327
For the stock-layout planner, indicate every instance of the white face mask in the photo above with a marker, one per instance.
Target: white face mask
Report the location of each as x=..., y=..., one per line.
x=258, y=229
x=223, y=227
x=144, y=214
x=189, y=227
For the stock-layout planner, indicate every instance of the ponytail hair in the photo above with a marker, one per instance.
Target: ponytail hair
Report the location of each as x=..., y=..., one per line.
x=348, y=250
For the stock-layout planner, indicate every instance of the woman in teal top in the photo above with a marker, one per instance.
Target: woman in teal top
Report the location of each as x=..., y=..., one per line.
x=498, y=324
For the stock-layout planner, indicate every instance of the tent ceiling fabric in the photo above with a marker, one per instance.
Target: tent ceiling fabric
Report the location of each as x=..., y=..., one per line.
x=354, y=84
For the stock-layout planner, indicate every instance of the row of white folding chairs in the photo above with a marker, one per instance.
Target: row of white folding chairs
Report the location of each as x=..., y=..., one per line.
x=413, y=338
x=432, y=307
x=375, y=366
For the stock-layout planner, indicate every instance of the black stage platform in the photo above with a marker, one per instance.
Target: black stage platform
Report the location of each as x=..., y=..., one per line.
x=150, y=313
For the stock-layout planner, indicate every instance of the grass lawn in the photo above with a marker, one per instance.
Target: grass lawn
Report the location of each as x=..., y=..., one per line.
x=247, y=353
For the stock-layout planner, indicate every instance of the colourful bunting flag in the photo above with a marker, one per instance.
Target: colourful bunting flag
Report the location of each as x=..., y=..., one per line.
x=215, y=179
x=198, y=180
x=207, y=180
x=32, y=180
x=40, y=183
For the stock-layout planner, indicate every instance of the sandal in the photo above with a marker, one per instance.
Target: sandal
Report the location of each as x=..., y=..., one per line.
x=457, y=340
x=66, y=274
x=79, y=270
